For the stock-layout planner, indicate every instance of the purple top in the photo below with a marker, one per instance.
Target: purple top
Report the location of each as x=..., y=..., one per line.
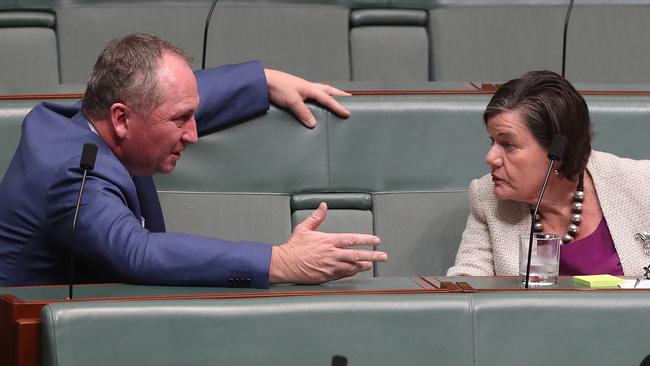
x=594, y=254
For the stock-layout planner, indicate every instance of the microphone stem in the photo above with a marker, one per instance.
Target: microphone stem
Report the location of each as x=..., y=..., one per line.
x=205, y=33
x=532, y=223
x=74, y=224
x=566, y=26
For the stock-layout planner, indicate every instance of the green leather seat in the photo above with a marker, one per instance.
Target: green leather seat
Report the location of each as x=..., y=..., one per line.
x=29, y=51
x=366, y=329
x=535, y=328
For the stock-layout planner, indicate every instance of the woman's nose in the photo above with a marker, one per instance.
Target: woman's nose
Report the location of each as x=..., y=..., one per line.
x=493, y=157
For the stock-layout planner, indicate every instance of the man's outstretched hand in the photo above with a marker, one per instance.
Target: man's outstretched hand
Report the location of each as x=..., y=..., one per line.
x=312, y=257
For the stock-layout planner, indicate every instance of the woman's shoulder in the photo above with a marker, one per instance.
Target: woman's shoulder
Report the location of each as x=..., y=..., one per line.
x=609, y=162
x=482, y=185
x=481, y=193
x=609, y=170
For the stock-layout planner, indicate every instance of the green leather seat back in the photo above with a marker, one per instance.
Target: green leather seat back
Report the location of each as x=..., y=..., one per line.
x=366, y=329
x=12, y=114
x=389, y=44
x=29, y=51
x=417, y=156
x=309, y=40
x=607, y=42
x=495, y=40
x=536, y=328
x=620, y=124
x=281, y=36
x=545, y=328
x=78, y=50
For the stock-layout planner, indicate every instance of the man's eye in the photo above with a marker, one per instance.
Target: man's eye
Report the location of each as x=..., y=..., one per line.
x=180, y=121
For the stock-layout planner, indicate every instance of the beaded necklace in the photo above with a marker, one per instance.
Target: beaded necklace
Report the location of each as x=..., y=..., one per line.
x=576, y=214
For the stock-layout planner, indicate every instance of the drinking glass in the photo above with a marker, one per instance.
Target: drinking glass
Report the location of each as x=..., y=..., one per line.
x=544, y=260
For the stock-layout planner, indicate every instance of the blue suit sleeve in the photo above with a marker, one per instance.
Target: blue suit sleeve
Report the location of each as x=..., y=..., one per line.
x=110, y=237
x=230, y=94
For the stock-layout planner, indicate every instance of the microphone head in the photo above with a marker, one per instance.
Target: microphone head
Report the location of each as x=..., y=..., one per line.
x=88, y=156
x=339, y=361
x=558, y=144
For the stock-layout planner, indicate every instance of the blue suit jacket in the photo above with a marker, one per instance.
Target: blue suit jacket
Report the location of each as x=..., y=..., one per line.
x=40, y=189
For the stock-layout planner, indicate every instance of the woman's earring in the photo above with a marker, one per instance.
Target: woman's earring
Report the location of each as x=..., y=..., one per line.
x=556, y=172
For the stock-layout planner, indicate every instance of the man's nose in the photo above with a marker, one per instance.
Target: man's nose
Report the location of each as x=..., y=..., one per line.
x=190, y=135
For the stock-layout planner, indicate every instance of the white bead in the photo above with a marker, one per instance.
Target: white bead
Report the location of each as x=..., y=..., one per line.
x=579, y=196
x=576, y=218
x=577, y=207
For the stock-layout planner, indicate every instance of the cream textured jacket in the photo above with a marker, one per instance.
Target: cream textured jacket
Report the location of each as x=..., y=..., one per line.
x=489, y=244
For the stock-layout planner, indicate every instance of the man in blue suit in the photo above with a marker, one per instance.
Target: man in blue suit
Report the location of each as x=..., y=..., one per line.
x=141, y=108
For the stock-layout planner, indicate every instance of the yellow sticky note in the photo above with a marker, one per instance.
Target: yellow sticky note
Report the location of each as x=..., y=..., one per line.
x=598, y=281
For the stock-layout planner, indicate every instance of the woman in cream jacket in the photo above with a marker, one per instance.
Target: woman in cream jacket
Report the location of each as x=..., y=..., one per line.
x=598, y=226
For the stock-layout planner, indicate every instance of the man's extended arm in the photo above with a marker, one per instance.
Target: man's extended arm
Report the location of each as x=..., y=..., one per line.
x=110, y=239
x=234, y=93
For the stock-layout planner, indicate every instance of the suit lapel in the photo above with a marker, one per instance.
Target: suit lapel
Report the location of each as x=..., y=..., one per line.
x=149, y=204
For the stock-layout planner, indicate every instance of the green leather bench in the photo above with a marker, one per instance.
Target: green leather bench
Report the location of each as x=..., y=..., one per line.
x=366, y=329
x=29, y=57
x=414, y=40
x=536, y=328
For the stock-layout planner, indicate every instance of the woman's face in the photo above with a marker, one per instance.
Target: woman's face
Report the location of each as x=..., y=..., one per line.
x=517, y=162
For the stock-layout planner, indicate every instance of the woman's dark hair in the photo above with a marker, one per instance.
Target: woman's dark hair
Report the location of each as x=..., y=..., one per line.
x=551, y=106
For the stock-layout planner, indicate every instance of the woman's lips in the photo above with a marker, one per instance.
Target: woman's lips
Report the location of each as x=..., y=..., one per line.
x=496, y=178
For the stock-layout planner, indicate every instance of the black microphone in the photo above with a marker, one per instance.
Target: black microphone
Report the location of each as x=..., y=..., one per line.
x=566, y=26
x=339, y=361
x=205, y=33
x=555, y=153
x=87, y=163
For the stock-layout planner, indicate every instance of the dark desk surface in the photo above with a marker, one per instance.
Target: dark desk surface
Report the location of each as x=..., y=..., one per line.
x=350, y=285
x=122, y=291
x=510, y=283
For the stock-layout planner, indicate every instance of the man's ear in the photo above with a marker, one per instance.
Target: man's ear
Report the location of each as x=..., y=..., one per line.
x=119, y=117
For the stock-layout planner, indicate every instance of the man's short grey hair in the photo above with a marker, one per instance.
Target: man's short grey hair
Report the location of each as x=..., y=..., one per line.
x=127, y=72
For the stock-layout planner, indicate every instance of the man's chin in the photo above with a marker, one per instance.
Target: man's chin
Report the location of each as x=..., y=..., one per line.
x=167, y=168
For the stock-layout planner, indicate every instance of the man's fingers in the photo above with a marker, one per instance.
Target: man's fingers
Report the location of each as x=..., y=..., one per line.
x=363, y=266
x=334, y=91
x=347, y=240
x=350, y=269
x=356, y=256
x=302, y=112
x=326, y=100
x=314, y=220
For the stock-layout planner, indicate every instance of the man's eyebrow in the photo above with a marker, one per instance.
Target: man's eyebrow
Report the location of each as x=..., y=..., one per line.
x=505, y=134
x=183, y=115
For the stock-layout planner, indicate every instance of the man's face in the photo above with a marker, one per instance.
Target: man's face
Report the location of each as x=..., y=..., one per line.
x=154, y=142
